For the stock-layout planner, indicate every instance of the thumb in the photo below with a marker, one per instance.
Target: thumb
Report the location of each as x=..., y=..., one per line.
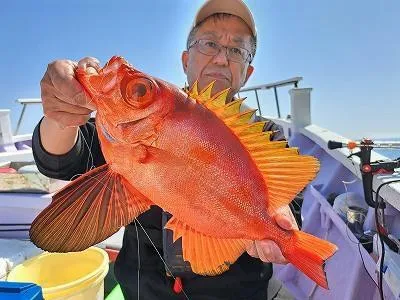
x=284, y=221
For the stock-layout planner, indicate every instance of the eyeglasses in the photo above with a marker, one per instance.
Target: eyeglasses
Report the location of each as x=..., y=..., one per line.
x=211, y=48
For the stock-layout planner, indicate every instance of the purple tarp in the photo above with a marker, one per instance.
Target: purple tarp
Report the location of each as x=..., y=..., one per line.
x=347, y=276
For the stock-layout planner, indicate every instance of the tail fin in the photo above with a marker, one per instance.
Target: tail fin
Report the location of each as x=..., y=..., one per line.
x=309, y=255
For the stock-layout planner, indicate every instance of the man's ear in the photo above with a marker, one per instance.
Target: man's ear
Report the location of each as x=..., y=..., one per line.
x=185, y=58
x=249, y=71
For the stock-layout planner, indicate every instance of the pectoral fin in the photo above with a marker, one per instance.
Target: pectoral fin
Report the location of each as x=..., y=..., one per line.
x=87, y=211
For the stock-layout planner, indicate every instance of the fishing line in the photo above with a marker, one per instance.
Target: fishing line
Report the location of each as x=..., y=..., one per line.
x=362, y=259
x=90, y=158
x=137, y=236
x=162, y=259
x=138, y=252
x=91, y=177
x=358, y=242
x=359, y=250
x=90, y=151
x=91, y=162
x=377, y=204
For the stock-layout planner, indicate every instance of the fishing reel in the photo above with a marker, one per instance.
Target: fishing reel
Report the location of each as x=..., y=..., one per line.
x=369, y=169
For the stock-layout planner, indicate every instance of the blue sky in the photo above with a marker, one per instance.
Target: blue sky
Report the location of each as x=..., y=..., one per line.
x=347, y=51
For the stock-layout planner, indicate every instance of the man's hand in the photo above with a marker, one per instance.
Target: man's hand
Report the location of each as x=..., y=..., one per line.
x=65, y=104
x=267, y=250
x=63, y=99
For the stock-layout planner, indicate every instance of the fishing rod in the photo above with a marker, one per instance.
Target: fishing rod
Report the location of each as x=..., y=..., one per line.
x=369, y=169
x=364, y=143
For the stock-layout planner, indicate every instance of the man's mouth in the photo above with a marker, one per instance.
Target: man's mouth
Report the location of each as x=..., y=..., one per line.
x=218, y=76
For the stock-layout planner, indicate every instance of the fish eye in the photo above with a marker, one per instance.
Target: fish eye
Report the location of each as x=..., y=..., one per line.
x=139, y=89
x=137, y=92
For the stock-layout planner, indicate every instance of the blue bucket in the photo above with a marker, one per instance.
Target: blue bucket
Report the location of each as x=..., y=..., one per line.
x=20, y=290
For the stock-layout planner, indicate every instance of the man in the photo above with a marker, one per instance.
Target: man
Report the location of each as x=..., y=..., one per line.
x=220, y=47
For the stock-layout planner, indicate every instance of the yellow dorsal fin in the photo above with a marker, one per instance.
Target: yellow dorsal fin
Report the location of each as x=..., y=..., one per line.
x=194, y=90
x=284, y=170
x=205, y=94
x=218, y=100
x=240, y=119
x=253, y=141
x=247, y=129
x=230, y=109
x=259, y=136
x=266, y=146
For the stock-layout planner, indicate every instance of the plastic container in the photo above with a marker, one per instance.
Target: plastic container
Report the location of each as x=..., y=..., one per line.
x=353, y=201
x=72, y=276
x=18, y=290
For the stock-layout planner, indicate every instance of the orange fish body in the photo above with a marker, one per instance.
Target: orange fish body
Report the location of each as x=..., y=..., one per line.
x=196, y=157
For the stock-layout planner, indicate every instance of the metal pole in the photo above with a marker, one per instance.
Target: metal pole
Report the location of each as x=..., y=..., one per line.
x=258, y=103
x=20, y=119
x=277, y=102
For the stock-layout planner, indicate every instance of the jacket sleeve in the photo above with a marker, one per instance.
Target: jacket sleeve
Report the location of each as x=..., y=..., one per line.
x=85, y=154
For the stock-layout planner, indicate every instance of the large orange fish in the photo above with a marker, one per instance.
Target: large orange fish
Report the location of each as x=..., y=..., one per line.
x=196, y=157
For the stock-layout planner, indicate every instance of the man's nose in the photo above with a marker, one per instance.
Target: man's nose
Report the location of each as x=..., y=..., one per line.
x=221, y=58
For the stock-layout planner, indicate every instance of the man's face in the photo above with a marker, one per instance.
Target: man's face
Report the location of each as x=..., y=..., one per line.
x=227, y=31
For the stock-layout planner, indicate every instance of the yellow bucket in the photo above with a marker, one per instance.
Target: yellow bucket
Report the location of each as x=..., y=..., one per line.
x=72, y=276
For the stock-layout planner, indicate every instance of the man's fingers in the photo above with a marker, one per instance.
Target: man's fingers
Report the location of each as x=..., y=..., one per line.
x=270, y=252
x=90, y=64
x=285, y=219
x=252, y=251
x=65, y=119
x=82, y=99
x=263, y=251
x=60, y=75
x=57, y=105
x=284, y=222
x=267, y=251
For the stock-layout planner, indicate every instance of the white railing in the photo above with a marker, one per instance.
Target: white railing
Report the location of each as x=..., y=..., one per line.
x=25, y=102
x=274, y=85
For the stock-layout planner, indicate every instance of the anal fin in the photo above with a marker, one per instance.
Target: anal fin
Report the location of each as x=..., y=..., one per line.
x=87, y=211
x=207, y=255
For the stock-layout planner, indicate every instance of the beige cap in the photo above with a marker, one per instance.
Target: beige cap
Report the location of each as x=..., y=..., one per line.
x=234, y=7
